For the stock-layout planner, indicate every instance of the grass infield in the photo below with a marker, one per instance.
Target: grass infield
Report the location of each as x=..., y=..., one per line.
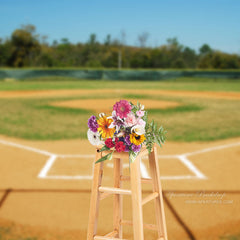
x=196, y=119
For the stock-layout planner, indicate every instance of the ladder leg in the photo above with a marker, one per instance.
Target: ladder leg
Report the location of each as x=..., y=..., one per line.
x=94, y=204
x=136, y=200
x=117, y=199
x=160, y=215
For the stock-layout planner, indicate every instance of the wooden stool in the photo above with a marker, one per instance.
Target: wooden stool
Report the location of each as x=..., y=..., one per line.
x=99, y=193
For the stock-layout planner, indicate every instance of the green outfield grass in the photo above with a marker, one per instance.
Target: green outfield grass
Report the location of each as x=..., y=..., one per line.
x=194, y=120
x=194, y=84
x=237, y=237
x=12, y=233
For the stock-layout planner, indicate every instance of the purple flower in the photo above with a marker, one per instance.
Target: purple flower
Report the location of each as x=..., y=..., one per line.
x=127, y=140
x=92, y=123
x=136, y=148
x=126, y=148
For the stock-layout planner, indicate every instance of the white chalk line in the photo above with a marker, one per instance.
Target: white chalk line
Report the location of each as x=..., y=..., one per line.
x=47, y=166
x=53, y=157
x=192, y=167
x=31, y=149
x=63, y=177
x=144, y=171
x=212, y=149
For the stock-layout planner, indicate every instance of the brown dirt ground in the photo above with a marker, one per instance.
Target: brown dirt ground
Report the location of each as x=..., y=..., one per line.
x=58, y=209
x=56, y=93
x=102, y=104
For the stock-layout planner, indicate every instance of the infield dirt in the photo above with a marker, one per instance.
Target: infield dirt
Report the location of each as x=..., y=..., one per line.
x=62, y=206
x=55, y=93
x=196, y=208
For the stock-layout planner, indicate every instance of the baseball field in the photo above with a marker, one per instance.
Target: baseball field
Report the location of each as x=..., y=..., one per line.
x=46, y=160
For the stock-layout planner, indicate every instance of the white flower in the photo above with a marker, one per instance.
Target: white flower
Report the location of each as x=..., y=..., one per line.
x=120, y=134
x=141, y=107
x=101, y=114
x=94, y=138
x=138, y=129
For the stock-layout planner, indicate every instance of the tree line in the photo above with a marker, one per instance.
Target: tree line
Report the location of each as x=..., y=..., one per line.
x=26, y=48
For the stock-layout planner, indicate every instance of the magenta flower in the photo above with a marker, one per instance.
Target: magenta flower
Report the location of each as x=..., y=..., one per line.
x=122, y=108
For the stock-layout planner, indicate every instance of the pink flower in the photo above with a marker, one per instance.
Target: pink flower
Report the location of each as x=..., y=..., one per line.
x=122, y=108
x=131, y=119
x=140, y=113
x=141, y=122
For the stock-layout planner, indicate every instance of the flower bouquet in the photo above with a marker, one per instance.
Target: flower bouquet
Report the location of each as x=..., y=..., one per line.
x=126, y=130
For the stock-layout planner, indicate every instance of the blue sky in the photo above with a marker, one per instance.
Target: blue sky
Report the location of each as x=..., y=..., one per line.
x=193, y=22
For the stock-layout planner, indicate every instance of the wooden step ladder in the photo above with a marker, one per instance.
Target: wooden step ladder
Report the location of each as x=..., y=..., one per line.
x=99, y=192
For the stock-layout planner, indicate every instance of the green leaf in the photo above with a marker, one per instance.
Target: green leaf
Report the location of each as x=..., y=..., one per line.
x=151, y=123
x=106, y=157
x=159, y=142
x=138, y=105
x=154, y=127
x=132, y=156
x=104, y=148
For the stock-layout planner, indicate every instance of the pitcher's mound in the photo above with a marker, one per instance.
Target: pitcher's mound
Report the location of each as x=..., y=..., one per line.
x=105, y=105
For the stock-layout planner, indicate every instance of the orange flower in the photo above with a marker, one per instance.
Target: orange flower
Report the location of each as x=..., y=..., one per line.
x=104, y=129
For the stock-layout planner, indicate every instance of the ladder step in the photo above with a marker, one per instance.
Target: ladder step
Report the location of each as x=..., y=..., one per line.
x=150, y=197
x=143, y=180
x=114, y=190
x=107, y=238
x=145, y=225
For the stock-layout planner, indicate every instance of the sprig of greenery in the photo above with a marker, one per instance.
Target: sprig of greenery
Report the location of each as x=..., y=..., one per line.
x=104, y=148
x=145, y=117
x=154, y=134
x=106, y=157
x=135, y=108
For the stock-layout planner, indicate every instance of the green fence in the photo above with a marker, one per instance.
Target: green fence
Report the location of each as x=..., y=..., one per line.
x=115, y=74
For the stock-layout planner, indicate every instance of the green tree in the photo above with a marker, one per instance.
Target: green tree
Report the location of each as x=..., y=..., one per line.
x=25, y=46
x=205, y=49
x=5, y=52
x=108, y=40
x=189, y=57
x=92, y=39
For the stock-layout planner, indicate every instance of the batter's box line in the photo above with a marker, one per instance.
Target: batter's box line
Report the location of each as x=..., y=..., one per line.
x=197, y=174
x=183, y=158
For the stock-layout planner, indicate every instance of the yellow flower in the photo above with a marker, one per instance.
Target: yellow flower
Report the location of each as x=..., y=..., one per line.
x=104, y=129
x=137, y=139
